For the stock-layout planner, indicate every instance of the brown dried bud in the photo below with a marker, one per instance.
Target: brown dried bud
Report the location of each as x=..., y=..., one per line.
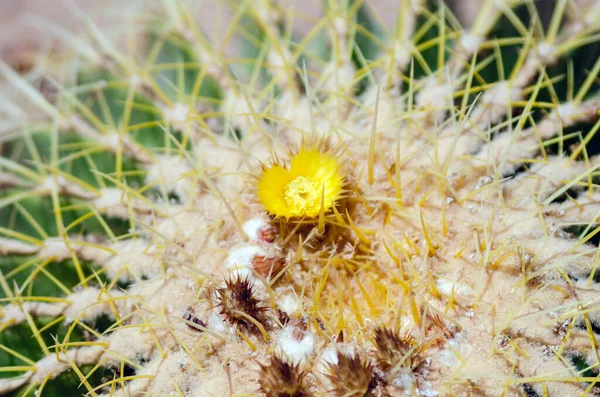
x=351, y=376
x=267, y=233
x=267, y=266
x=237, y=298
x=394, y=349
x=280, y=379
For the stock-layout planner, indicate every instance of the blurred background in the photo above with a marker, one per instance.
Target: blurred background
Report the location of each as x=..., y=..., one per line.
x=20, y=33
x=15, y=32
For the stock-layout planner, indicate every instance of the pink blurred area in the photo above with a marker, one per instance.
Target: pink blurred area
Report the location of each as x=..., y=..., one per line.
x=18, y=33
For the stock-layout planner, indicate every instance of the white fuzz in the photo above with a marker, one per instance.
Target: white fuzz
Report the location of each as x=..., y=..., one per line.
x=112, y=141
x=253, y=227
x=63, y=186
x=448, y=355
x=434, y=99
x=11, y=247
x=470, y=42
x=295, y=350
x=240, y=259
x=340, y=78
x=53, y=365
x=57, y=249
x=546, y=53
x=171, y=172
x=405, y=382
x=494, y=103
x=447, y=287
x=115, y=203
x=135, y=256
x=177, y=115
x=289, y=304
x=85, y=304
x=567, y=113
x=12, y=314
x=112, y=203
x=330, y=354
x=217, y=324
x=402, y=52
x=50, y=184
x=341, y=26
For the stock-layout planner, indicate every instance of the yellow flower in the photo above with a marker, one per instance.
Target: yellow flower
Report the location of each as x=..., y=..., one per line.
x=296, y=193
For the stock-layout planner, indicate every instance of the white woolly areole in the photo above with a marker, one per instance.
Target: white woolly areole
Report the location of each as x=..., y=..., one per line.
x=177, y=115
x=470, y=42
x=113, y=202
x=170, y=172
x=133, y=255
x=340, y=25
x=55, y=248
x=112, y=141
x=10, y=246
x=55, y=364
x=402, y=51
x=241, y=258
x=110, y=197
x=434, y=98
x=253, y=226
x=495, y=102
x=567, y=113
x=546, y=52
x=51, y=184
x=216, y=324
x=13, y=314
x=446, y=287
x=406, y=382
x=330, y=354
x=289, y=304
x=295, y=350
x=85, y=304
x=344, y=79
x=448, y=356
x=434, y=94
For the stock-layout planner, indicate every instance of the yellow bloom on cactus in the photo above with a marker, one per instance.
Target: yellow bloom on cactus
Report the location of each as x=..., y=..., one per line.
x=296, y=192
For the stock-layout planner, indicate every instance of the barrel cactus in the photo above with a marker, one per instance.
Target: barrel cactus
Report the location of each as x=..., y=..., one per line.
x=353, y=211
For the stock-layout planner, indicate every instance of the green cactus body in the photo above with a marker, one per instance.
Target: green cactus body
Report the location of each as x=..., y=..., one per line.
x=458, y=258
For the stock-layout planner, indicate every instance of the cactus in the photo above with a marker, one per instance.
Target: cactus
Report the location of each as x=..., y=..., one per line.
x=416, y=207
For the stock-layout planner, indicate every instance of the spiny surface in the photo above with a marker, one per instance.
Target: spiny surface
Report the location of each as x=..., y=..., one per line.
x=468, y=218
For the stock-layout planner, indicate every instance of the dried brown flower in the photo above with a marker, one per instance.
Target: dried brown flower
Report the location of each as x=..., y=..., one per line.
x=267, y=266
x=395, y=349
x=281, y=379
x=351, y=376
x=236, y=299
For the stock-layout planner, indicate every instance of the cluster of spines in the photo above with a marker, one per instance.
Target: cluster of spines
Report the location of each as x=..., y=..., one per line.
x=238, y=304
x=279, y=378
x=396, y=350
x=352, y=375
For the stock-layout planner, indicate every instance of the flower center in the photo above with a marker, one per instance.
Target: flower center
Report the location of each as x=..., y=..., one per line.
x=302, y=194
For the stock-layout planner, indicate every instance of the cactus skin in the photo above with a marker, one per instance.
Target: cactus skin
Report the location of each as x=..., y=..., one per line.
x=468, y=218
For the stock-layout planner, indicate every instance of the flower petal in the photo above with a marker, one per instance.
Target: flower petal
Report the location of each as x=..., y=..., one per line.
x=271, y=188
